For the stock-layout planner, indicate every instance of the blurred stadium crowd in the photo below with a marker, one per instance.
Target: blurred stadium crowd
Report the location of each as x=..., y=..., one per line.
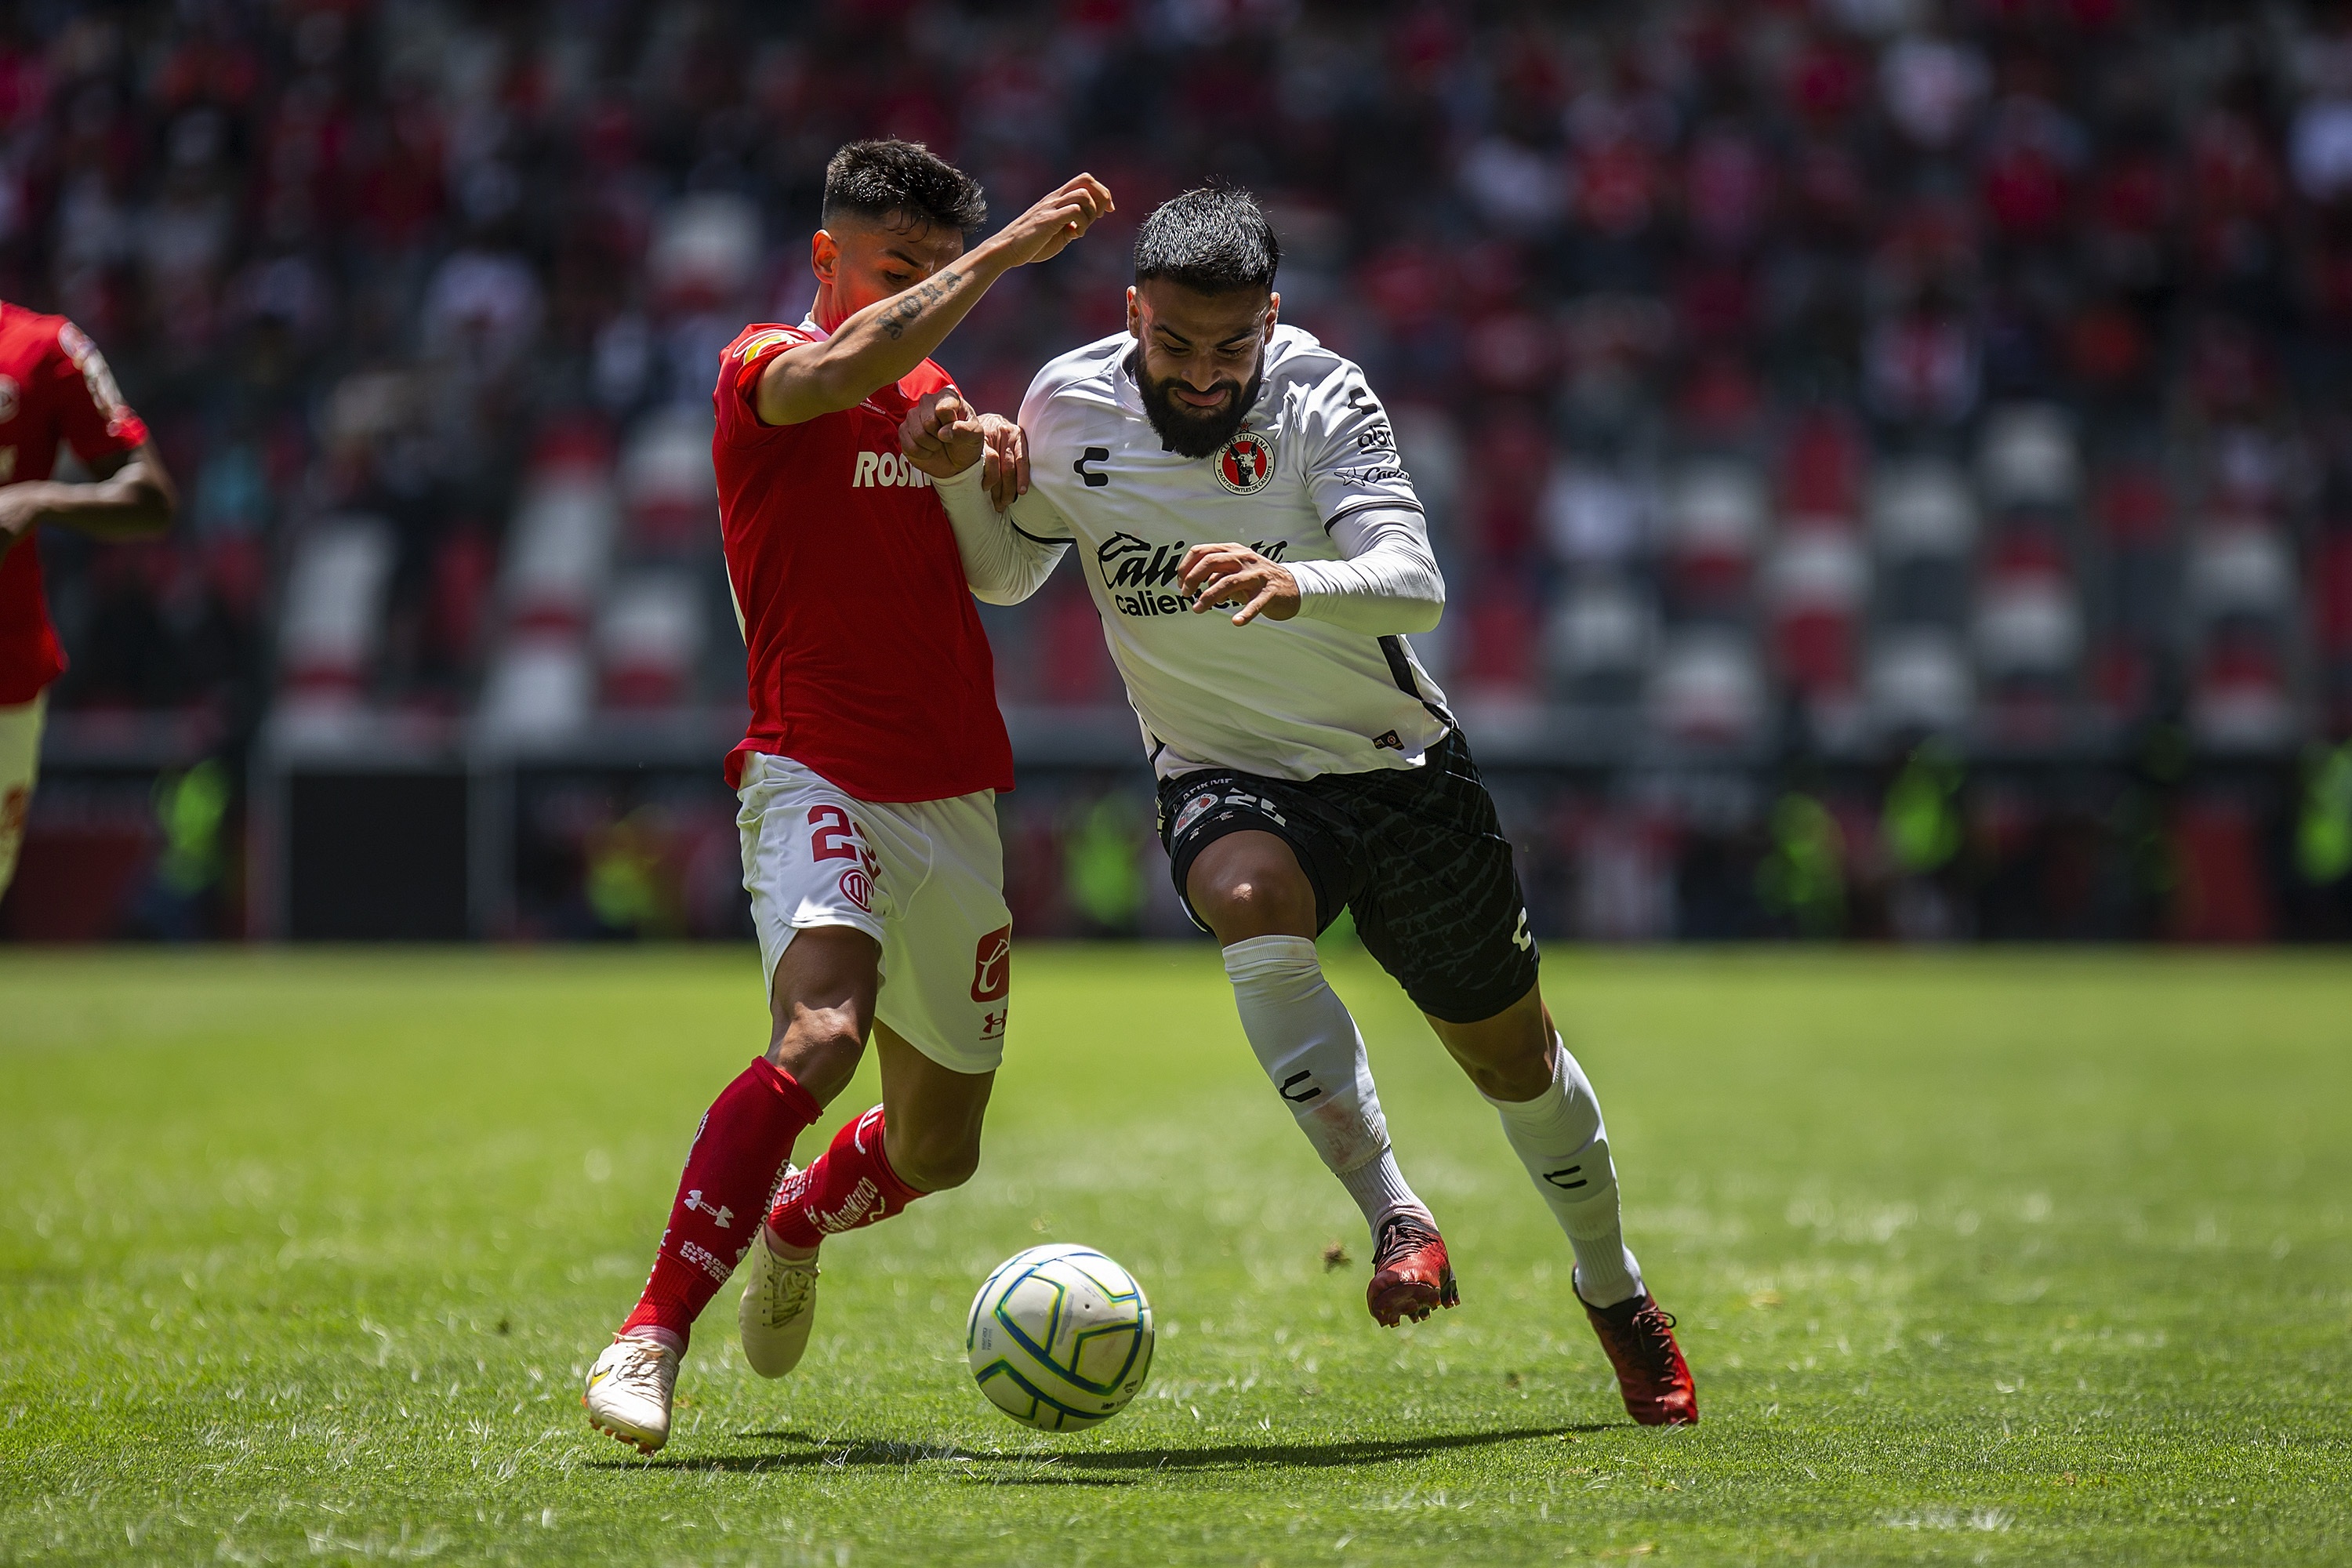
x=1892, y=459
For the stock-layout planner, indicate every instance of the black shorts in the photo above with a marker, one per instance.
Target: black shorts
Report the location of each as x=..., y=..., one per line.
x=1417, y=854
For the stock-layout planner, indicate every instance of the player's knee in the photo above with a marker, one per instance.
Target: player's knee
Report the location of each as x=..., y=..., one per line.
x=936, y=1160
x=820, y=1046
x=1250, y=897
x=1505, y=1057
x=1521, y=1071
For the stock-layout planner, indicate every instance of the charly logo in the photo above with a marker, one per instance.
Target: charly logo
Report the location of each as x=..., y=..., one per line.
x=1246, y=465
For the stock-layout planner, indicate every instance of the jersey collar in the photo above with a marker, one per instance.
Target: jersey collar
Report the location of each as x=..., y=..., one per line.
x=808, y=325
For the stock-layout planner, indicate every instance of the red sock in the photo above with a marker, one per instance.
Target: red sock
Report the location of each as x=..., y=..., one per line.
x=847, y=1187
x=740, y=1150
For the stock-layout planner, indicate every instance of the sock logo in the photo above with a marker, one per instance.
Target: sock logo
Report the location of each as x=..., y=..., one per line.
x=719, y=1214
x=1560, y=1178
x=853, y=1208
x=1522, y=938
x=1293, y=1081
x=709, y=1262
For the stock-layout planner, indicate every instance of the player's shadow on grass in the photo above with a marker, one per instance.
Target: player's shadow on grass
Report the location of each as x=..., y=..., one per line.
x=1118, y=1467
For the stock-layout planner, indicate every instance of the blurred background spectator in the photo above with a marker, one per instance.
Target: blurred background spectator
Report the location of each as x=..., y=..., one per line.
x=1892, y=458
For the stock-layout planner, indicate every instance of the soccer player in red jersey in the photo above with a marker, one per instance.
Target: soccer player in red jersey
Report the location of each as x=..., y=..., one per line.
x=55, y=386
x=867, y=777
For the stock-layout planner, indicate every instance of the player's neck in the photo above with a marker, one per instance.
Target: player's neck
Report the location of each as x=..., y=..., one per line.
x=827, y=310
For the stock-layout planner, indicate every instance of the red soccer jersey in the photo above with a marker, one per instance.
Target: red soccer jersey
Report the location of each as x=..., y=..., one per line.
x=54, y=387
x=866, y=659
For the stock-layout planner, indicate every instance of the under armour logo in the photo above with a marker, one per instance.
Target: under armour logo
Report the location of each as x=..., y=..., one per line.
x=1293, y=1081
x=1560, y=1178
x=719, y=1214
x=1520, y=938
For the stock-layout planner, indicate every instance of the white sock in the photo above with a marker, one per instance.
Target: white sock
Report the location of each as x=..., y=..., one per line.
x=1560, y=1139
x=1312, y=1051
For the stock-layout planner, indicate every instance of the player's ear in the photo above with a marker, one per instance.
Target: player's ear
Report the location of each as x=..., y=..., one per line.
x=1273, y=314
x=1134, y=315
x=825, y=256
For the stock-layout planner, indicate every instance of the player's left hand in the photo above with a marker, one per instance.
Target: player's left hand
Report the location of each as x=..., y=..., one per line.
x=1217, y=575
x=1004, y=460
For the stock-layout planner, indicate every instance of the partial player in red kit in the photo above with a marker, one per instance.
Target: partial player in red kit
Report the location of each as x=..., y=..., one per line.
x=55, y=388
x=868, y=775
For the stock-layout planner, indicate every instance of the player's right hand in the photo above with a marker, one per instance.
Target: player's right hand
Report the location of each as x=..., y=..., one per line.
x=939, y=433
x=18, y=512
x=944, y=436
x=1062, y=216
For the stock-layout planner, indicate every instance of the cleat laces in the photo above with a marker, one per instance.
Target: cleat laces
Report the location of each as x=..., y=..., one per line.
x=639, y=1371
x=1404, y=1233
x=788, y=1289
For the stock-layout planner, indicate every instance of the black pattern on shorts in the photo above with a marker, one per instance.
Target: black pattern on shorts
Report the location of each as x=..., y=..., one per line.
x=1416, y=852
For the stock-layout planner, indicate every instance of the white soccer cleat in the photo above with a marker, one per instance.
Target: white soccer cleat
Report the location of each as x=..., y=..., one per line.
x=628, y=1392
x=778, y=1308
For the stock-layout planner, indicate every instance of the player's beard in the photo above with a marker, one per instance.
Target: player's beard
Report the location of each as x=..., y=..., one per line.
x=1188, y=431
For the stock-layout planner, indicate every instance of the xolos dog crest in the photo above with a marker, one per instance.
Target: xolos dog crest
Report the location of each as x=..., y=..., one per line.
x=1246, y=466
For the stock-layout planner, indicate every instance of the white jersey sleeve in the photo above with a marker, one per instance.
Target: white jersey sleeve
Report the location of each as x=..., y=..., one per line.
x=1350, y=449
x=1388, y=582
x=1004, y=562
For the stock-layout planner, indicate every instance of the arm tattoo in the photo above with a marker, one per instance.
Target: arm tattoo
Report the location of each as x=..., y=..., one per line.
x=902, y=312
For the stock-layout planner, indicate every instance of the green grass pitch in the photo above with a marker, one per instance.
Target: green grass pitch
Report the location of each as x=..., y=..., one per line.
x=1979, y=1258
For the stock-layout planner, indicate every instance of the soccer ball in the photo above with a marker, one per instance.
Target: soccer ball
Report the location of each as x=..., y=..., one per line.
x=1059, y=1338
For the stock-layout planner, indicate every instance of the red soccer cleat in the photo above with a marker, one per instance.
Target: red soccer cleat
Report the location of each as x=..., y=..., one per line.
x=1651, y=1372
x=1411, y=1277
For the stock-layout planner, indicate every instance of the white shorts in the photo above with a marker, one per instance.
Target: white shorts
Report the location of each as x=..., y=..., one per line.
x=926, y=880
x=20, y=765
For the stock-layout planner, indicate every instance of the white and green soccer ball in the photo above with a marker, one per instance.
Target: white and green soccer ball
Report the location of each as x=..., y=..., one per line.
x=1059, y=1338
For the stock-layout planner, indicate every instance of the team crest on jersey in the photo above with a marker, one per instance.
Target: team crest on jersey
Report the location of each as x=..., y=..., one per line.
x=1246, y=466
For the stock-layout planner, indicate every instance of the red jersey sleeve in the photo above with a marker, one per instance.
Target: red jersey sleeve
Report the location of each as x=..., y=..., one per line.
x=91, y=415
x=739, y=380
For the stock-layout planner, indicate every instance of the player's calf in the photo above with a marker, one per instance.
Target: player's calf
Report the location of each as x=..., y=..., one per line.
x=851, y=1186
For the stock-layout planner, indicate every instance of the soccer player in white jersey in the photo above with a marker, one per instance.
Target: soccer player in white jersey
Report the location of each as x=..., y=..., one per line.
x=1210, y=460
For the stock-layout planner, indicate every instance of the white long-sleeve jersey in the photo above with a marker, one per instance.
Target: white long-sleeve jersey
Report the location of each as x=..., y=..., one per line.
x=1312, y=479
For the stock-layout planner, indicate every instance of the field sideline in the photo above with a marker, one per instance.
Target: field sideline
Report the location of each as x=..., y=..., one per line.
x=1979, y=1258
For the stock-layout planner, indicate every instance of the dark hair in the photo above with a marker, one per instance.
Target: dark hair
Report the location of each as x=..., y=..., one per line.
x=904, y=181
x=1213, y=240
